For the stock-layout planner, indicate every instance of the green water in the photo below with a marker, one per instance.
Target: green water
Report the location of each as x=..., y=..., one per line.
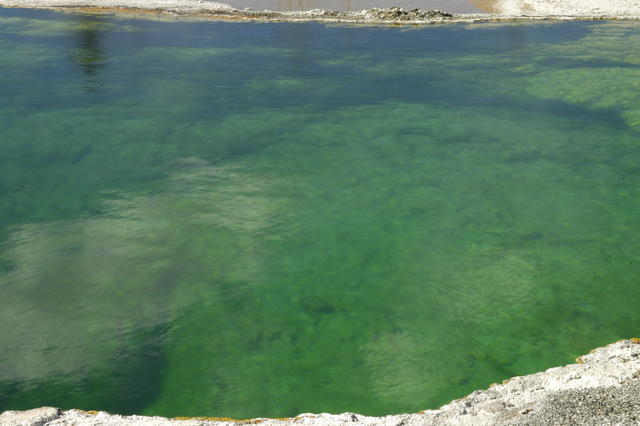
x=221, y=219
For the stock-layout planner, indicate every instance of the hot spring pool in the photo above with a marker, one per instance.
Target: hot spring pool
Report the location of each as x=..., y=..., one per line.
x=227, y=219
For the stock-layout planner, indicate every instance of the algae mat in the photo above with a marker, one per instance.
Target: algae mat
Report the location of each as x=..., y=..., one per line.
x=222, y=219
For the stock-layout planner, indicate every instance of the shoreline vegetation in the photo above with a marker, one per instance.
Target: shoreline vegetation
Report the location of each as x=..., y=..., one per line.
x=603, y=387
x=496, y=11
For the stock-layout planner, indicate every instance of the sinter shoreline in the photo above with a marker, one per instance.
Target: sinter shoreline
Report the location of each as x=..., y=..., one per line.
x=500, y=10
x=602, y=388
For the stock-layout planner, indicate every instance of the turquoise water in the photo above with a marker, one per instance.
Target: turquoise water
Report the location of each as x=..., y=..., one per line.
x=222, y=219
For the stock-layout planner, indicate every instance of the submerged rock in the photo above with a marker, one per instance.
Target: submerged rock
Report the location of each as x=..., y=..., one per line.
x=603, y=388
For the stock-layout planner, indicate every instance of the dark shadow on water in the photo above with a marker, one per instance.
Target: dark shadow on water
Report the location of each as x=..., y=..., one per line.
x=89, y=51
x=126, y=386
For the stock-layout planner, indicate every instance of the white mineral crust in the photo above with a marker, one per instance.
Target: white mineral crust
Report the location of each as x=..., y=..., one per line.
x=591, y=8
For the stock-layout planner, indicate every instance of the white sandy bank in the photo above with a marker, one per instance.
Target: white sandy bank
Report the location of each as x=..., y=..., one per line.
x=594, y=8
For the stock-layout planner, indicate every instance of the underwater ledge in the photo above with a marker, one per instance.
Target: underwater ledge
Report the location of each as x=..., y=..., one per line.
x=602, y=388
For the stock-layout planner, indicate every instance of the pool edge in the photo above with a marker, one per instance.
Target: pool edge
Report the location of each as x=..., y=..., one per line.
x=605, y=382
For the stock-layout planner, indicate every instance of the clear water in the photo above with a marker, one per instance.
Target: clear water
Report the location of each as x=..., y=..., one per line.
x=222, y=219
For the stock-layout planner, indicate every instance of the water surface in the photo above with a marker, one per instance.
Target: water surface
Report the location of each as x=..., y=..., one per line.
x=222, y=219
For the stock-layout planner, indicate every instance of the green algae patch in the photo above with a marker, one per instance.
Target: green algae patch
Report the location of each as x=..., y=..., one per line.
x=475, y=288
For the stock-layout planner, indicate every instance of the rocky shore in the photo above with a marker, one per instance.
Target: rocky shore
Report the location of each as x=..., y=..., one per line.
x=602, y=388
x=500, y=10
x=220, y=11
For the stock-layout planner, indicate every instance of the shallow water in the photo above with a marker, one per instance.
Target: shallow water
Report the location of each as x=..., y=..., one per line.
x=223, y=219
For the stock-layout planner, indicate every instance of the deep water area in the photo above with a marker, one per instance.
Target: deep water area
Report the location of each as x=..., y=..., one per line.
x=239, y=219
